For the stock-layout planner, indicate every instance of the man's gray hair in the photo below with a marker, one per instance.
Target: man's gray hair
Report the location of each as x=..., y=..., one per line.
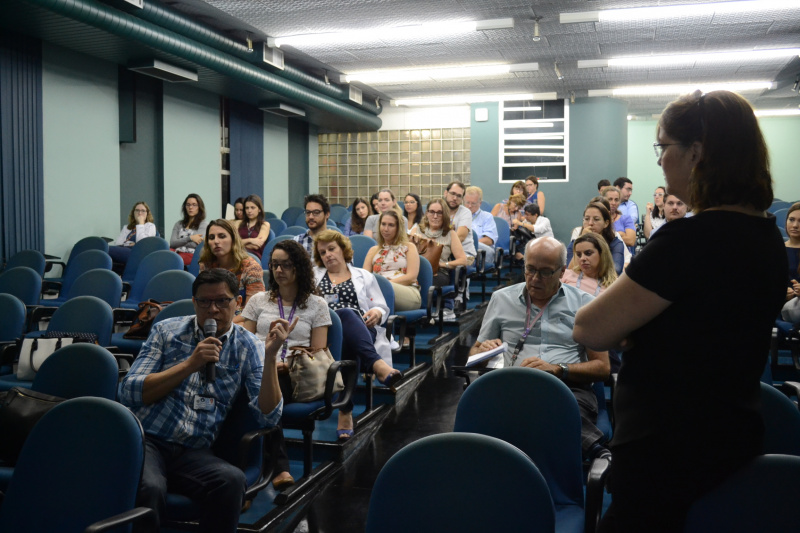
x=562, y=249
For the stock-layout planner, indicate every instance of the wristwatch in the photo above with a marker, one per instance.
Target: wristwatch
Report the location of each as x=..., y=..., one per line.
x=564, y=370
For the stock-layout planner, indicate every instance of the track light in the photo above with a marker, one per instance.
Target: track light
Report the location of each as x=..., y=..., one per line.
x=559, y=75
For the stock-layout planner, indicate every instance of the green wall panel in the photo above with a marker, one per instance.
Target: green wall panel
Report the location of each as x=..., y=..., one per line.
x=276, y=163
x=191, y=150
x=81, y=148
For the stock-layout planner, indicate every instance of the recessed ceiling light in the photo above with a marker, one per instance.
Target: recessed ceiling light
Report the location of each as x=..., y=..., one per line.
x=777, y=112
x=680, y=11
x=676, y=59
x=389, y=76
x=463, y=99
x=646, y=90
x=392, y=33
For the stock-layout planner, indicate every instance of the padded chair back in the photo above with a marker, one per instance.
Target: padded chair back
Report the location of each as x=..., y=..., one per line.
x=13, y=311
x=339, y=215
x=240, y=420
x=81, y=369
x=29, y=258
x=361, y=245
x=269, y=214
x=153, y=264
x=780, y=217
x=81, y=464
x=300, y=220
x=425, y=280
x=277, y=225
x=169, y=286
x=781, y=422
x=486, y=206
x=453, y=467
x=85, y=261
x=177, y=308
x=290, y=214
x=141, y=250
x=88, y=243
x=778, y=204
x=99, y=282
x=22, y=282
x=193, y=267
x=761, y=497
x=387, y=291
x=84, y=314
x=499, y=404
x=333, y=227
x=294, y=230
x=503, y=234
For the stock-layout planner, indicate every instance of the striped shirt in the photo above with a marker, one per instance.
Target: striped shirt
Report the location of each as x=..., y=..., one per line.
x=173, y=418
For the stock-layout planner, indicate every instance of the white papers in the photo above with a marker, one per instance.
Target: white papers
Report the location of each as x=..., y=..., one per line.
x=483, y=356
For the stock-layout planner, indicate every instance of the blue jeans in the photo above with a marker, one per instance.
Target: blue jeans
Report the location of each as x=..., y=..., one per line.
x=216, y=485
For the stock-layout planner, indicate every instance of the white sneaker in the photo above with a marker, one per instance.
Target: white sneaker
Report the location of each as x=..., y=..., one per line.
x=449, y=316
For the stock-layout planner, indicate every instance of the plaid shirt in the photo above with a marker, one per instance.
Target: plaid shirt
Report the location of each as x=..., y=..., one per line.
x=173, y=418
x=306, y=240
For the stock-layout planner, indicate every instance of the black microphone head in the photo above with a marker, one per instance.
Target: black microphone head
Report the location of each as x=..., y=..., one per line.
x=210, y=327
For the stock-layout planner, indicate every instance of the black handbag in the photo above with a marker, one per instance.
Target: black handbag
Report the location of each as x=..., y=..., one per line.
x=20, y=410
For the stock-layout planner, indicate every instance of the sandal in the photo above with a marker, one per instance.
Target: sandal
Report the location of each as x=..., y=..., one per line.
x=392, y=379
x=344, y=435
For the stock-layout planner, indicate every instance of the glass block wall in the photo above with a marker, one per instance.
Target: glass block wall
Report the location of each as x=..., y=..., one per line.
x=421, y=161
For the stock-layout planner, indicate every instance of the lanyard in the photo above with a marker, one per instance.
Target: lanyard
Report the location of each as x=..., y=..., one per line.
x=528, y=325
x=578, y=284
x=291, y=316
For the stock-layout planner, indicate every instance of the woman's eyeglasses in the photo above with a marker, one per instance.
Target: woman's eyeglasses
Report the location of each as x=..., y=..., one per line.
x=658, y=148
x=285, y=266
x=435, y=213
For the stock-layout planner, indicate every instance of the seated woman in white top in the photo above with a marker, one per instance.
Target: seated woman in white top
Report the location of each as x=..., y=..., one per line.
x=140, y=226
x=396, y=259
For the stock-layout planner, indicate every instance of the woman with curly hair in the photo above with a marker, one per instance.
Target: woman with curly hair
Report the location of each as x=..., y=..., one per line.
x=291, y=296
x=223, y=249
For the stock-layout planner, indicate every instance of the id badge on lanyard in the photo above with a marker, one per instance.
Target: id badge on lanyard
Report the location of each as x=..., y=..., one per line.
x=528, y=325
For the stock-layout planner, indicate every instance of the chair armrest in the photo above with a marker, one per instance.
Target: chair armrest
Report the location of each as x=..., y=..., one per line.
x=9, y=352
x=122, y=316
x=791, y=388
x=434, y=295
x=247, y=442
x=480, y=261
x=126, y=287
x=51, y=287
x=40, y=312
x=595, y=485
x=349, y=370
x=128, y=517
x=396, y=324
x=612, y=383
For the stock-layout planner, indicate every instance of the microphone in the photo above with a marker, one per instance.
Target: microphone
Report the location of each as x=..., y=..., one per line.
x=210, y=330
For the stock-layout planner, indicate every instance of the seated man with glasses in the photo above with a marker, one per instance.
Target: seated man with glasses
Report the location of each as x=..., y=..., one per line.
x=318, y=210
x=536, y=319
x=171, y=390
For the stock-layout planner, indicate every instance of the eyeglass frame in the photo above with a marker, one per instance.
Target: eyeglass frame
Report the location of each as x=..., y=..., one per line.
x=286, y=266
x=313, y=212
x=658, y=148
x=530, y=271
x=220, y=303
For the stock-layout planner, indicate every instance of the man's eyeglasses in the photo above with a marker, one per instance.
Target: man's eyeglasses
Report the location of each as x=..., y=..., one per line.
x=544, y=273
x=658, y=148
x=315, y=212
x=219, y=302
x=286, y=266
x=435, y=213
x=455, y=194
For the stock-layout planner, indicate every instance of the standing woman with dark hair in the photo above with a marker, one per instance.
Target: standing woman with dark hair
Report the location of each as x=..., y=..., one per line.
x=223, y=249
x=534, y=194
x=412, y=209
x=253, y=230
x=189, y=231
x=655, y=212
x=358, y=216
x=687, y=411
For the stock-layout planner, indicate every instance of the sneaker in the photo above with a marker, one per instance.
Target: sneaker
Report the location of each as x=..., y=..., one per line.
x=449, y=316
